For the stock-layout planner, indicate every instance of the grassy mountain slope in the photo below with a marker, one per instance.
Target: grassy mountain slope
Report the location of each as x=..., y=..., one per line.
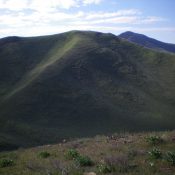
x=148, y=42
x=80, y=84
x=121, y=154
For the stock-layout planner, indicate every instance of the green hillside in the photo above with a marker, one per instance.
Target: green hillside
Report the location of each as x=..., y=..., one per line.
x=81, y=84
x=117, y=154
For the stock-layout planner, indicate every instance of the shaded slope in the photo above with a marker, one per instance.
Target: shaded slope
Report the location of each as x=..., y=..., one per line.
x=81, y=84
x=148, y=42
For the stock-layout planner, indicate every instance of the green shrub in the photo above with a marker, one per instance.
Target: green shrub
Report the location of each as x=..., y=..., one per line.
x=170, y=157
x=80, y=160
x=83, y=161
x=6, y=163
x=155, y=153
x=104, y=168
x=154, y=140
x=72, y=154
x=44, y=154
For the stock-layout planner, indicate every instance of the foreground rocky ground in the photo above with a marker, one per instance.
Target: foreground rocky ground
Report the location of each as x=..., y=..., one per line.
x=129, y=154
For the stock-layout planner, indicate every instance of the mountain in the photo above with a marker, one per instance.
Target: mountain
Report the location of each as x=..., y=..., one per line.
x=148, y=42
x=81, y=84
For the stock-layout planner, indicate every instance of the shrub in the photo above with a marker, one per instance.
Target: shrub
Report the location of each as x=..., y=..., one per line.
x=6, y=163
x=170, y=157
x=104, y=168
x=80, y=160
x=154, y=140
x=155, y=153
x=44, y=154
x=72, y=154
x=83, y=161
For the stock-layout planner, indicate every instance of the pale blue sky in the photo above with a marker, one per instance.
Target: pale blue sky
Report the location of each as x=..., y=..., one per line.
x=154, y=18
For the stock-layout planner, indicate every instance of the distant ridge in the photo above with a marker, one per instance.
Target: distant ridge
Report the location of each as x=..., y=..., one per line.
x=148, y=42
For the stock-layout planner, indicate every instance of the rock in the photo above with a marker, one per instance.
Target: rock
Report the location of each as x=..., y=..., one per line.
x=91, y=173
x=173, y=139
x=64, y=140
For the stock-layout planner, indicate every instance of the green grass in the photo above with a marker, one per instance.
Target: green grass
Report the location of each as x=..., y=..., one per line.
x=6, y=163
x=170, y=157
x=44, y=154
x=154, y=140
x=72, y=154
x=83, y=161
x=155, y=153
x=122, y=153
x=104, y=168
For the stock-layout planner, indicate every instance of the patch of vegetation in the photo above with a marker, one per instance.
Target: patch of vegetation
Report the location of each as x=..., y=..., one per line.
x=83, y=161
x=72, y=154
x=155, y=153
x=44, y=154
x=126, y=154
x=104, y=168
x=154, y=140
x=6, y=163
x=79, y=159
x=170, y=157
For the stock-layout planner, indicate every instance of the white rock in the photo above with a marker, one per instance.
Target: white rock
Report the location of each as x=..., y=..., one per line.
x=91, y=173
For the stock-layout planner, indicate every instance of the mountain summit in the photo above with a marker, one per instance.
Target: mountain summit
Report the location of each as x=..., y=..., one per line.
x=148, y=42
x=80, y=84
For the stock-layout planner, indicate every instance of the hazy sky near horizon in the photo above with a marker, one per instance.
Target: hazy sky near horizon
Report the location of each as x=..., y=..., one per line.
x=154, y=18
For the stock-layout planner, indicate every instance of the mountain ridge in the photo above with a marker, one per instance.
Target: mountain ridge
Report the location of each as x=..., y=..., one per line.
x=82, y=84
x=148, y=42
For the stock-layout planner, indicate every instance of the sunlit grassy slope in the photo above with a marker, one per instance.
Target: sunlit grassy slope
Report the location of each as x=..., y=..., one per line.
x=80, y=84
x=117, y=154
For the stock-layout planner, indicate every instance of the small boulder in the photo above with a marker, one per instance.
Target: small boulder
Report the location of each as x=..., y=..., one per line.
x=173, y=139
x=91, y=173
x=64, y=141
